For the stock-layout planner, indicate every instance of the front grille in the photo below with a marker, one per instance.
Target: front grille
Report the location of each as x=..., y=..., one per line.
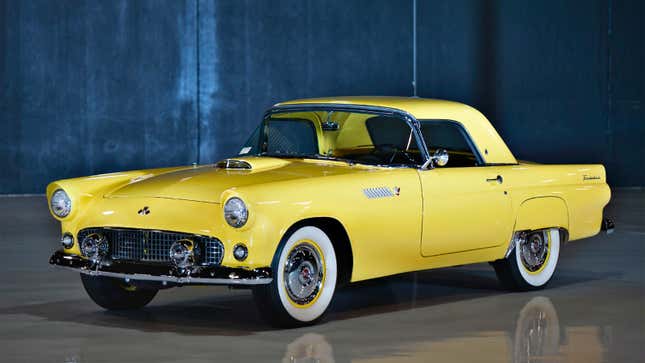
x=152, y=246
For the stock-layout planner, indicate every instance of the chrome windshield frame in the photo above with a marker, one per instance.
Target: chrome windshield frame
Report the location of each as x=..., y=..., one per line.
x=412, y=122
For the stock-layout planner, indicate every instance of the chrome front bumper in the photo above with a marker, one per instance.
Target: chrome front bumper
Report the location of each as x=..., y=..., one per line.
x=166, y=276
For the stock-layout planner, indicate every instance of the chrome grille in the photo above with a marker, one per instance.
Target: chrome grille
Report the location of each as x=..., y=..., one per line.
x=152, y=246
x=213, y=252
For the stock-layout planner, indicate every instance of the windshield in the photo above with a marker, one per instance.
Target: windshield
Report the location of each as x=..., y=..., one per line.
x=355, y=137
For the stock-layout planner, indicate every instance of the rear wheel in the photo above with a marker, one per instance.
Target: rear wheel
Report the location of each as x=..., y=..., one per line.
x=532, y=262
x=114, y=294
x=304, y=280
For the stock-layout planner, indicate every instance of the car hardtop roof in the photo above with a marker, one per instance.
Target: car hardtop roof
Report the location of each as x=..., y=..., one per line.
x=417, y=107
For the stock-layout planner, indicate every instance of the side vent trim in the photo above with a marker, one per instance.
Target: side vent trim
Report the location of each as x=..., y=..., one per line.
x=379, y=192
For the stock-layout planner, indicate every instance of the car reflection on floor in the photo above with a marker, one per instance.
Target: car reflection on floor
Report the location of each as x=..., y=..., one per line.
x=536, y=339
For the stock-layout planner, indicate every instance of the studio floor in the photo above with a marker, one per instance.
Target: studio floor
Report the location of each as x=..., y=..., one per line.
x=593, y=310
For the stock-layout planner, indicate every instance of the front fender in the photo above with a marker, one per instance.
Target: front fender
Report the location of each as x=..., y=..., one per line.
x=269, y=221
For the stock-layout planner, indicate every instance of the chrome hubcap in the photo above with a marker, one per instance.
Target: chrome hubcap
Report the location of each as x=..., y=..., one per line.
x=534, y=250
x=303, y=274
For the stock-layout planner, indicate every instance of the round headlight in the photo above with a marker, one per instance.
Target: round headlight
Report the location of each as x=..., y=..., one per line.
x=235, y=212
x=60, y=203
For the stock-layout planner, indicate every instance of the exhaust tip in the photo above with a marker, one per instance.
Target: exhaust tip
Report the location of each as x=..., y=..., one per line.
x=608, y=225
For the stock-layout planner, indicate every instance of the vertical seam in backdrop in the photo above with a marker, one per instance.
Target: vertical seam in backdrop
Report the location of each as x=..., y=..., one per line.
x=198, y=91
x=414, y=48
x=610, y=138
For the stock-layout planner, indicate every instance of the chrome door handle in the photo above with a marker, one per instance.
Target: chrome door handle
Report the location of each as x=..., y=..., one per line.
x=498, y=179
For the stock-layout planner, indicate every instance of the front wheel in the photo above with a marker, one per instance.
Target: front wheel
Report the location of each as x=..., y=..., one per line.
x=532, y=262
x=114, y=294
x=304, y=280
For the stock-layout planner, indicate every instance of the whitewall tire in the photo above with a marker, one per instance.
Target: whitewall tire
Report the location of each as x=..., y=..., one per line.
x=532, y=262
x=304, y=279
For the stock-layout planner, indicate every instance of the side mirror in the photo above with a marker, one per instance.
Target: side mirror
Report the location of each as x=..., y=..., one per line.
x=439, y=158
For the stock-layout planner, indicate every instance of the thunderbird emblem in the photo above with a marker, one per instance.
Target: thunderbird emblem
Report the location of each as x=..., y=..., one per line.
x=144, y=211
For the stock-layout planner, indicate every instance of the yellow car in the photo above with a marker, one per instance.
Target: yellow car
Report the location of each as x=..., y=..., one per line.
x=327, y=192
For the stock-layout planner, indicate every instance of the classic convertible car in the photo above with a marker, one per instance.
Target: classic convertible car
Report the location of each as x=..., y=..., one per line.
x=324, y=193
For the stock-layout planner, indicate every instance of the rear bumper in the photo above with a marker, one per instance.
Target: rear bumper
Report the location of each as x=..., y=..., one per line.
x=167, y=276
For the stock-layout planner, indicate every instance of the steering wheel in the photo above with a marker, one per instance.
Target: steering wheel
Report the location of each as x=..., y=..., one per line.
x=394, y=150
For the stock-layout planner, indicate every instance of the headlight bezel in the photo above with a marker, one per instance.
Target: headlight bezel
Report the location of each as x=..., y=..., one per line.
x=64, y=210
x=236, y=213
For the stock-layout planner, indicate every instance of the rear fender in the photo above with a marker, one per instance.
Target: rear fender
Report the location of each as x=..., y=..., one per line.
x=542, y=212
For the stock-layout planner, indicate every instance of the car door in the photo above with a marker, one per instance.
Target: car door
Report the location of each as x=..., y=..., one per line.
x=465, y=204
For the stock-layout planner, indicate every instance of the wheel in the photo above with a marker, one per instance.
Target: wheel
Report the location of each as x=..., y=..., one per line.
x=114, y=294
x=304, y=280
x=532, y=262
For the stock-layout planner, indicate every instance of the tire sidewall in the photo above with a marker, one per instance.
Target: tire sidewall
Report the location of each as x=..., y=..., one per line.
x=542, y=278
x=319, y=306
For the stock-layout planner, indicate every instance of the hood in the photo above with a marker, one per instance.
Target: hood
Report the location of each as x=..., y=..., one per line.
x=206, y=183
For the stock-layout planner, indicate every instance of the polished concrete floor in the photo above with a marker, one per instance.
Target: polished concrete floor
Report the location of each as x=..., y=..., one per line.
x=593, y=311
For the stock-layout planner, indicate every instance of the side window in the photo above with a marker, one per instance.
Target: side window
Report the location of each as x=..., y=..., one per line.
x=450, y=136
x=386, y=130
x=393, y=141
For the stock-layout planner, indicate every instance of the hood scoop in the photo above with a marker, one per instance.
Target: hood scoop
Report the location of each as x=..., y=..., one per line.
x=233, y=164
x=250, y=164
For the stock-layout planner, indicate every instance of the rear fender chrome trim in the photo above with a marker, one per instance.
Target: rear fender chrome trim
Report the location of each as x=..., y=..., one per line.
x=516, y=237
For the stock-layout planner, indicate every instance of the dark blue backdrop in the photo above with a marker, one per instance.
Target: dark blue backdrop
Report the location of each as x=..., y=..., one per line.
x=97, y=86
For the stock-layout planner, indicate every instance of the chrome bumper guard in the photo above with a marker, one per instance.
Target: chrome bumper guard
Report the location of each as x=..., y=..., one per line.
x=166, y=275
